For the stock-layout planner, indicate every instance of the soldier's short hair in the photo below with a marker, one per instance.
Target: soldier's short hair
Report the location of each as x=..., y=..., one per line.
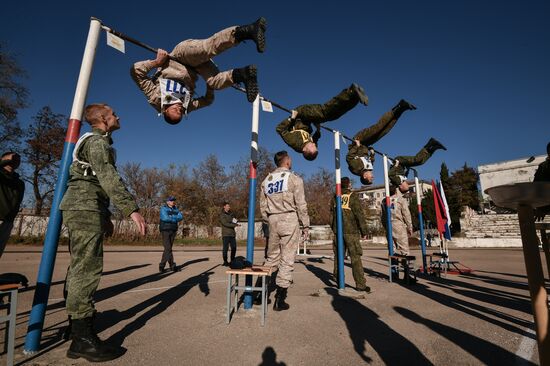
x=280, y=157
x=345, y=181
x=94, y=112
x=310, y=156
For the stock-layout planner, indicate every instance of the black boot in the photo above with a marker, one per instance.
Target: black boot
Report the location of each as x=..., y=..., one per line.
x=86, y=344
x=280, y=297
x=161, y=267
x=173, y=267
x=254, y=32
x=401, y=107
x=360, y=92
x=248, y=76
x=434, y=145
x=67, y=332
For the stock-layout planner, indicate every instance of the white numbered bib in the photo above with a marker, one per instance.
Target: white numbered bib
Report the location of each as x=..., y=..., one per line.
x=276, y=183
x=367, y=165
x=172, y=92
x=345, y=201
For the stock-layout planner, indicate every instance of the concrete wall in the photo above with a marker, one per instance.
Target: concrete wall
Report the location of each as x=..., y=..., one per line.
x=507, y=172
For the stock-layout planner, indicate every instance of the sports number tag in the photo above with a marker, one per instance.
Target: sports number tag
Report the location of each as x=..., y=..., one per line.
x=276, y=183
x=173, y=92
x=345, y=201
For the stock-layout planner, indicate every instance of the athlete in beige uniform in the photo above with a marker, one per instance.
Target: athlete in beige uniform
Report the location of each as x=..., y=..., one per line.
x=283, y=206
x=400, y=217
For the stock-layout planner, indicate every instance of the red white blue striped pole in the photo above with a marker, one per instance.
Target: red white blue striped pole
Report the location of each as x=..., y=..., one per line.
x=389, y=229
x=47, y=262
x=252, y=197
x=420, y=222
x=339, y=220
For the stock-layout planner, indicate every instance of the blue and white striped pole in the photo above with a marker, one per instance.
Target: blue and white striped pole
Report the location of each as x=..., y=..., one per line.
x=252, y=196
x=339, y=220
x=47, y=262
x=420, y=222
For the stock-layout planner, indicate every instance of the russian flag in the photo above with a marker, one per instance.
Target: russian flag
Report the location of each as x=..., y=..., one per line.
x=440, y=212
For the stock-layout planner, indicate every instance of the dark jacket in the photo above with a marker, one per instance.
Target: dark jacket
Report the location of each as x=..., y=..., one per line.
x=169, y=218
x=227, y=224
x=12, y=189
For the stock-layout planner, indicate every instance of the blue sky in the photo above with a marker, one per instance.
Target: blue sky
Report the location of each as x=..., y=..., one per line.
x=477, y=71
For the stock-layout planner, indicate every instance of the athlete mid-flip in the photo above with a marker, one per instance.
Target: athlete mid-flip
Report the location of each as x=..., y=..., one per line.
x=170, y=90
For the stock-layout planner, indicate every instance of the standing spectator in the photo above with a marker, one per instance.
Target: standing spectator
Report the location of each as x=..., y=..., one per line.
x=12, y=189
x=228, y=223
x=169, y=218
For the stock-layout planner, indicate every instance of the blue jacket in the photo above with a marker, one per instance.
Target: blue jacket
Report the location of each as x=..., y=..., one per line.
x=169, y=218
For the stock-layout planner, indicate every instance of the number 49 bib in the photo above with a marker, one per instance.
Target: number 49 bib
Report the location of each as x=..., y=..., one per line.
x=276, y=183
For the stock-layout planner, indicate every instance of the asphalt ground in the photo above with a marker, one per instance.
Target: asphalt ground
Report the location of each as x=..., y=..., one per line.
x=179, y=318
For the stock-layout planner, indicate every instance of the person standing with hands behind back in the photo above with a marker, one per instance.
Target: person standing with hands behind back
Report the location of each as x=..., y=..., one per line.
x=169, y=218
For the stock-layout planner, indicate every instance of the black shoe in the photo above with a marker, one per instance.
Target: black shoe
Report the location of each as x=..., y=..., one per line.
x=248, y=76
x=86, y=344
x=161, y=267
x=434, y=145
x=280, y=297
x=403, y=106
x=174, y=268
x=67, y=332
x=366, y=289
x=225, y=264
x=360, y=92
x=254, y=32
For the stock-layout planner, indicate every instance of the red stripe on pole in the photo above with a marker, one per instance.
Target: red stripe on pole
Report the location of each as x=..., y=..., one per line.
x=252, y=170
x=73, y=131
x=420, y=208
x=388, y=201
x=338, y=189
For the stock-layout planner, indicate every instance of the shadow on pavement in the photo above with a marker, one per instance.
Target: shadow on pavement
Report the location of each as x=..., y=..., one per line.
x=154, y=305
x=486, y=352
x=364, y=325
x=269, y=358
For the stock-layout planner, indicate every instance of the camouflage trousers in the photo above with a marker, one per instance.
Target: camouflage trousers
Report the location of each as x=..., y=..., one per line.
x=408, y=161
x=5, y=231
x=353, y=245
x=331, y=110
x=370, y=135
x=86, y=231
x=198, y=53
x=284, y=236
x=400, y=239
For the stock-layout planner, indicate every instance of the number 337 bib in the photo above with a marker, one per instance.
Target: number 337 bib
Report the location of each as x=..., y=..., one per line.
x=276, y=183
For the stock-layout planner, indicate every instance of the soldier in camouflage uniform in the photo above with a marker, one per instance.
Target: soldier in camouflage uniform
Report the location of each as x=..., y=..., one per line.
x=283, y=206
x=543, y=175
x=296, y=130
x=93, y=183
x=171, y=89
x=360, y=154
x=402, y=164
x=354, y=227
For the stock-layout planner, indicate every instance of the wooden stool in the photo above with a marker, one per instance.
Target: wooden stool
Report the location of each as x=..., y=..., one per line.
x=9, y=340
x=406, y=262
x=233, y=288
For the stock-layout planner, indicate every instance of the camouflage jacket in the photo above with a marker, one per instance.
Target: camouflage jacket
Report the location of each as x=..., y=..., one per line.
x=296, y=133
x=355, y=164
x=91, y=189
x=282, y=191
x=543, y=171
x=150, y=86
x=354, y=221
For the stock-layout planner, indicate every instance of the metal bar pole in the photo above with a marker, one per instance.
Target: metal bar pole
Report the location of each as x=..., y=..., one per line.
x=420, y=222
x=389, y=230
x=47, y=262
x=339, y=219
x=252, y=197
x=535, y=279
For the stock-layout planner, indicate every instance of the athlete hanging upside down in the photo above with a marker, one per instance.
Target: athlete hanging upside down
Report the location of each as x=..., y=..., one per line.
x=170, y=91
x=360, y=154
x=296, y=130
